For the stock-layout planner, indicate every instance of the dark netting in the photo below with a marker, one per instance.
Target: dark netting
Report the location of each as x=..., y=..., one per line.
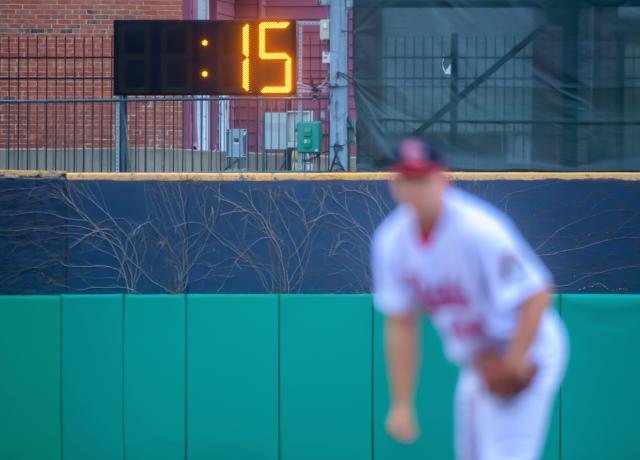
x=511, y=85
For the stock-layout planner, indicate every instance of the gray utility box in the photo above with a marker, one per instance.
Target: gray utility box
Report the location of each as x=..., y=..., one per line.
x=236, y=149
x=237, y=143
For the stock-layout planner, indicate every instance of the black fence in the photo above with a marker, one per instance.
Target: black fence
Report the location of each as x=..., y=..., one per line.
x=510, y=85
x=161, y=134
x=57, y=111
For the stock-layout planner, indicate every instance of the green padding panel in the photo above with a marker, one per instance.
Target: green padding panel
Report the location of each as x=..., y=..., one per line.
x=154, y=377
x=30, y=377
x=600, y=396
x=92, y=377
x=552, y=447
x=325, y=377
x=434, y=401
x=232, y=379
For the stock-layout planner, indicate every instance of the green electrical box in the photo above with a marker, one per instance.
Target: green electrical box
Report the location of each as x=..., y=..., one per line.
x=309, y=137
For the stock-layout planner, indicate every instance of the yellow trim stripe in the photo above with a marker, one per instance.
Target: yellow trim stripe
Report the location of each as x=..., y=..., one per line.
x=296, y=176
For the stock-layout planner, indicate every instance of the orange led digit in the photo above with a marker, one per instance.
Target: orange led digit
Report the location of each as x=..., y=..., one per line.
x=271, y=55
x=245, y=61
x=244, y=57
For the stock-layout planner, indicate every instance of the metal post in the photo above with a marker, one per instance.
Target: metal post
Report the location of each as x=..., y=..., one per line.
x=570, y=81
x=620, y=130
x=120, y=134
x=454, y=88
x=203, y=105
x=338, y=80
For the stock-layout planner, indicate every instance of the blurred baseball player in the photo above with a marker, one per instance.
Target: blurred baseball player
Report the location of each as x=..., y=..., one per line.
x=450, y=255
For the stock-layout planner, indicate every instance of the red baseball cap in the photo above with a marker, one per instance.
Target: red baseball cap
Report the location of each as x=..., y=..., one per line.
x=416, y=156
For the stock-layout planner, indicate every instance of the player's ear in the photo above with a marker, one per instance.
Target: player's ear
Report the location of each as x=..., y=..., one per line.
x=442, y=180
x=393, y=188
x=442, y=177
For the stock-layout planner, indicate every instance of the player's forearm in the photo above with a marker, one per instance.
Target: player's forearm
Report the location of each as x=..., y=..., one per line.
x=527, y=328
x=401, y=347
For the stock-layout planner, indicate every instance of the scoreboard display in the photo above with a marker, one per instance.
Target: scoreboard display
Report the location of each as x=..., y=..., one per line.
x=205, y=57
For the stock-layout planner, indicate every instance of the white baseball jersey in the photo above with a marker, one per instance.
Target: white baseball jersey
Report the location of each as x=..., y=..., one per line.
x=470, y=275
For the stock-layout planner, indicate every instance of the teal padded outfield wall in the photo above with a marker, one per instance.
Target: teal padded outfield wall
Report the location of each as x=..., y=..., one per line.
x=169, y=377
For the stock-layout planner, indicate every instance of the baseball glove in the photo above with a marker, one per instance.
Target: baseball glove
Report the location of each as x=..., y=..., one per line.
x=499, y=377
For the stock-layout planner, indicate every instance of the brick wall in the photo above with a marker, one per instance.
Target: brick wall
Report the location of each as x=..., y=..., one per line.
x=61, y=49
x=223, y=9
x=78, y=16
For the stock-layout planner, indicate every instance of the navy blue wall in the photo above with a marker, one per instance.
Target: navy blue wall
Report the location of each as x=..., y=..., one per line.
x=61, y=236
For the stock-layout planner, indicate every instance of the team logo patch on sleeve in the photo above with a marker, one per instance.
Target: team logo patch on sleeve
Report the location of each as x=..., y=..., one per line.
x=511, y=268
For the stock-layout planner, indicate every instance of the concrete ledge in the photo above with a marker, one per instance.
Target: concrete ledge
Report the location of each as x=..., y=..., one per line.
x=288, y=176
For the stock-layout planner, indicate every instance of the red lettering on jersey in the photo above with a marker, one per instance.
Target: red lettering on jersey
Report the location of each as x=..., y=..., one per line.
x=433, y=298
x=467, y=330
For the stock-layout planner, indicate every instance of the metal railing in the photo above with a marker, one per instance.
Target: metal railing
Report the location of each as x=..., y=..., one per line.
x=198, y=134
x=57, y=112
